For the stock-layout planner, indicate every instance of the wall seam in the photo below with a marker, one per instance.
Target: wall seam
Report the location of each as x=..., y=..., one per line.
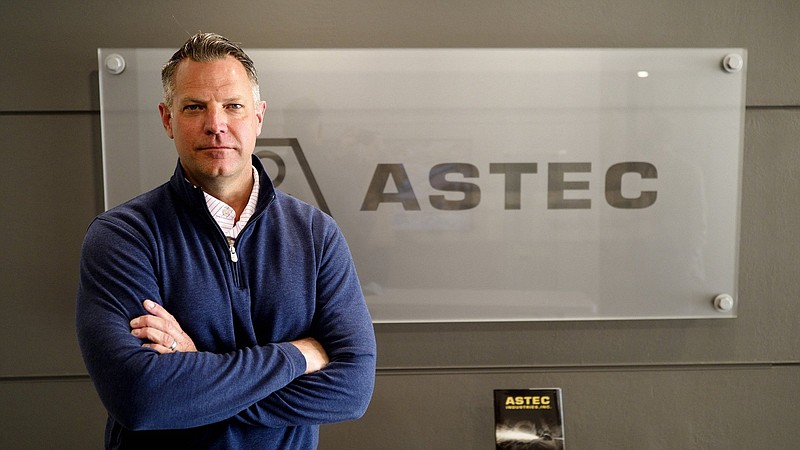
x=403, y=371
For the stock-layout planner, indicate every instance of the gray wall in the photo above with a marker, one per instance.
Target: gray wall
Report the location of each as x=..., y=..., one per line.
x=701, y=384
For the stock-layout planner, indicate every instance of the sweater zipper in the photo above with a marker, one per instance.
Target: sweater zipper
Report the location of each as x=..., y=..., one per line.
x=232, y=242
x=234, y=259
x=232, y=248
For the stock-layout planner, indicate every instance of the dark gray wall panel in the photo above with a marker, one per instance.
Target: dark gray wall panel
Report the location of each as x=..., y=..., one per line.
x=50, y=414
x=743, y=408
x=657, y=408
x=49, y=182
x=49, y=50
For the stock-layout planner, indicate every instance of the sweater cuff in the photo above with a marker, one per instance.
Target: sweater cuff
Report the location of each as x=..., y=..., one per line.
x=296, y=358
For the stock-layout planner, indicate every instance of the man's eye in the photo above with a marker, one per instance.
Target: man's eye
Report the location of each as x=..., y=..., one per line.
x=235, y=106
x=191, y=108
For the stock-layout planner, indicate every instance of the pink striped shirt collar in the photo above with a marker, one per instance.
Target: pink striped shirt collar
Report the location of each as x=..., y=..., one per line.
x=225, y=216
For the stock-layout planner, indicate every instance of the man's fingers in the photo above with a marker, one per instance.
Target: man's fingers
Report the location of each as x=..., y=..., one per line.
x=157, y=310
x=158, y=329
x=156, y=339
x=158, y=323
x=161, y=348
x=161, y=330
x=153, y=334
x=158, y=318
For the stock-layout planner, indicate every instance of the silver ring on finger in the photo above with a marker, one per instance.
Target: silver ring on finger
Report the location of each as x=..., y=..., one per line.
x=174, y=346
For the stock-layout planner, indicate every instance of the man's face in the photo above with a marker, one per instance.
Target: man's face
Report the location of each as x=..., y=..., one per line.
x=214, y=121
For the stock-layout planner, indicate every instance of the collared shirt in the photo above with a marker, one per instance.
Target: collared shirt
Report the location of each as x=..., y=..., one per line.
x=225, y=216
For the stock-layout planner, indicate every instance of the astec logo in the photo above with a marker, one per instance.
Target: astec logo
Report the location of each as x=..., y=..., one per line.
x=278, y=152
x=557, y=184
x=279, y=159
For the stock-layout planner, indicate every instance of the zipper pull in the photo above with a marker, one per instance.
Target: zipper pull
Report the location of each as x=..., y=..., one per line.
x=234, y=256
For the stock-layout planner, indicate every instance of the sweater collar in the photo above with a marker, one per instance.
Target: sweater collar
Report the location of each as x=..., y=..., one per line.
x=194, y=195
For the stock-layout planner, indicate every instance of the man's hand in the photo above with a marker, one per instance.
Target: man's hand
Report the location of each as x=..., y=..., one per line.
x=315, y=355
x=161, y=331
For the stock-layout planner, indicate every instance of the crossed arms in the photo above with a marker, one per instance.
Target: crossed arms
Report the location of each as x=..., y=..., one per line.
x=325, y=374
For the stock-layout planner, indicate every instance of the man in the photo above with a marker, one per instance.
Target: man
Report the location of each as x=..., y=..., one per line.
x=216, y=311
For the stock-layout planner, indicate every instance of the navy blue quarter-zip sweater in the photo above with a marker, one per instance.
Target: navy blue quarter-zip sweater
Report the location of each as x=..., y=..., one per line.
x=292, y=277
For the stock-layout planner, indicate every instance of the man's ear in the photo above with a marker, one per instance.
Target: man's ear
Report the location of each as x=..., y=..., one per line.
x=166, y=119
x=260, y=107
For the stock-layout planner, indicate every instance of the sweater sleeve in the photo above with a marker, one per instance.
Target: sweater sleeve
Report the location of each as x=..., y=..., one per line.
x=140, y=388
x=342, y=324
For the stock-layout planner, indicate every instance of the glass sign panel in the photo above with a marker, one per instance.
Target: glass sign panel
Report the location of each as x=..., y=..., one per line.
x=490, y=184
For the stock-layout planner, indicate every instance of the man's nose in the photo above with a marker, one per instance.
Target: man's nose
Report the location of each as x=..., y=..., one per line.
x=216, y=122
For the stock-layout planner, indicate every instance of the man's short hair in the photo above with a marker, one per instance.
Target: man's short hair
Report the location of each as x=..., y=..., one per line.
x=206, y=47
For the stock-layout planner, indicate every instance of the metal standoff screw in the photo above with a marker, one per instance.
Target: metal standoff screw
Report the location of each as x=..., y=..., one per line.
x=723, y=303
x=115, y=63
x=732, y=63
